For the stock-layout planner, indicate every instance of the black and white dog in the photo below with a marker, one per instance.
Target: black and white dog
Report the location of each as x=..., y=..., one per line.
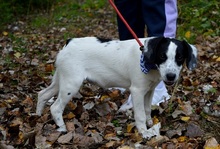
x=117, y=64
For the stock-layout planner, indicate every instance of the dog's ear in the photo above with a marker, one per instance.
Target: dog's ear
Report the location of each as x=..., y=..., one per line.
x=191, y=57
x=150, y=48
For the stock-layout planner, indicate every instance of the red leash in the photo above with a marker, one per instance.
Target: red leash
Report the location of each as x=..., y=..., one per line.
x=127, y=25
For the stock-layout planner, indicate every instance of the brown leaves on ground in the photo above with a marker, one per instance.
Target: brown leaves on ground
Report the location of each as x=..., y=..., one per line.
x=189, y=120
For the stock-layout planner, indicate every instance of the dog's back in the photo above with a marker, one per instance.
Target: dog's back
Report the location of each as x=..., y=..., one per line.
x=108, y=59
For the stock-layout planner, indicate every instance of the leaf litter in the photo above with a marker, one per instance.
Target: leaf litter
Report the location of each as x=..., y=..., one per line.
x=190, y=120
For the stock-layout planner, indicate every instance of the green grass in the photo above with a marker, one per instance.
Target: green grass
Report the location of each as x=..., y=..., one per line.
x=13, y=10
x=40, y=21
x=20, y=44
x=65, y=12
x=198, y=18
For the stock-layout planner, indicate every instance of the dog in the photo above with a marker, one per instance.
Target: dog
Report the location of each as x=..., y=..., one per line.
x=114, y=63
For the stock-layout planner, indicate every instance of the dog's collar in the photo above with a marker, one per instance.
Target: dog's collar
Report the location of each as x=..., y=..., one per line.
x=145, y=66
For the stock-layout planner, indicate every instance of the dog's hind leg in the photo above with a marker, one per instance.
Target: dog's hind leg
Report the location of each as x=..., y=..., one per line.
x=46, y=94
x=69, y=87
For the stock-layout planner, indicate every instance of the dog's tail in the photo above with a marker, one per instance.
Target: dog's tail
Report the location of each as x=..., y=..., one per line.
x=47, y=93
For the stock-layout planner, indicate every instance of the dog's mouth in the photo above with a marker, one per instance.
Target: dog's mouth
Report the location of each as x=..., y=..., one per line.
x=169, y=83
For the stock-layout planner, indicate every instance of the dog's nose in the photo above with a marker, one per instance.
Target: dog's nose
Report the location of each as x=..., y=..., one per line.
x=171, y=76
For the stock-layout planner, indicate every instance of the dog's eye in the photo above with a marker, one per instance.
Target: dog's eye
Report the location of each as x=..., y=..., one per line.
x=162, y=56
x=179, y=58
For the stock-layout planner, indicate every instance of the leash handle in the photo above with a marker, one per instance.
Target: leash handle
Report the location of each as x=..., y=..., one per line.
x=127, y=25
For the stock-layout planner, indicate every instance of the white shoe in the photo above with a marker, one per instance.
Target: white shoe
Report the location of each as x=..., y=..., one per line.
x=160, y=95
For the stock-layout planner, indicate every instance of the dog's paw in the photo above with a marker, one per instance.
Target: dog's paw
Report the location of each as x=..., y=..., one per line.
x=62, y=128
x=38, y=112
x=147, y=135
x=144, y=132
x=153, y=131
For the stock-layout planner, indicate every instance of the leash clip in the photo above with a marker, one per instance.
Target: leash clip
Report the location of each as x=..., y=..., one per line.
x=142, y=48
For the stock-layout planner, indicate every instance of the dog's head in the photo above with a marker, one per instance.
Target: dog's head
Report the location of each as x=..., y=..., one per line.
x=169, y=55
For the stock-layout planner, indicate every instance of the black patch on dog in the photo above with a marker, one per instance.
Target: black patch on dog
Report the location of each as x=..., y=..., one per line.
x=68, y=93
x=191, y=60
x=103, y=40
x=67, y=41
x=157, y=49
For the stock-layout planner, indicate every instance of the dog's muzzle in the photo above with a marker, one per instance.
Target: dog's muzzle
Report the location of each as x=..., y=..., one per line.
x=170, y=79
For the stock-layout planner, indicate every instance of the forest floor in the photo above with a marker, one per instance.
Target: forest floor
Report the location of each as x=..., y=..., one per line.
x=189, y=120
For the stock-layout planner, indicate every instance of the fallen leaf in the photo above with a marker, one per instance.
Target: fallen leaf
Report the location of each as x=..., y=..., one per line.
x=114, y=93
x=2, y=110
x=71, y=105
x=49, y=67
x=136, y=136
x=187, y=108
x=157, y=140
x=17, y=54
x=87, y=91
x=34, y=62
x=185, y=118
x=130, y=127
x=28, y=102
x=103, y=108
x=109, y=136
x=41, y=142
x=89, y=105
x=182, y=139
x=194, y=130
x=70, y=126
x=84, y=116
x=53, y=137
x=174, y=132
x=110, y=144
x=125, y=147
x=155, y=120
x=97, y=137
x=211, y=143
x=218, y=59
x=5, y=33
x=65, y=138
x=169, y=145
x=105, y=98
x=196, y=82
x=113, y=105
x=16, y=121
x=69, y=116
x=214, y=57
x=80, y=140
x=188, y=34
x=176, y=113
x=3, y=145
x=184, y=108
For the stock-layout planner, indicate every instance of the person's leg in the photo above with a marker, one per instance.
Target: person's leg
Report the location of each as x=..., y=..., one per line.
x=132, y=13
x=171, y=12
x=160, y=16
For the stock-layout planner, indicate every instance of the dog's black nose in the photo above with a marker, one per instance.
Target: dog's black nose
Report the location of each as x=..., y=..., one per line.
x=171, y=76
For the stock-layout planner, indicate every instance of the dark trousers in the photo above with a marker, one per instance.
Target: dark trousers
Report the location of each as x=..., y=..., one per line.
x=159, y=16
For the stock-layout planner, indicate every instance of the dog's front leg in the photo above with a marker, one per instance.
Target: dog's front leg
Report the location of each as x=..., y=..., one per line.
x=147, y=106
x=139, y=112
